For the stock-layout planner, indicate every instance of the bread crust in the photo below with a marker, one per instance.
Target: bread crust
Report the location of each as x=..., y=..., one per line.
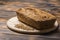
x=36, y=18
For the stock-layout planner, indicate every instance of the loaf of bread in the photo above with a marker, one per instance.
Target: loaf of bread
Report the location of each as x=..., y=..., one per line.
x=36, y=18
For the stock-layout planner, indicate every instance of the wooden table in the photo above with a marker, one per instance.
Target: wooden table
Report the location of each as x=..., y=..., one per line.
x=7, y=11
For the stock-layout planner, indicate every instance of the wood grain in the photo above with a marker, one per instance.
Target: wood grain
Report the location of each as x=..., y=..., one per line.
x=7, y=11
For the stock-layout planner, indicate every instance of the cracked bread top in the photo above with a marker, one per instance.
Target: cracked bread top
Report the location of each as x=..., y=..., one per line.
x=36, y=14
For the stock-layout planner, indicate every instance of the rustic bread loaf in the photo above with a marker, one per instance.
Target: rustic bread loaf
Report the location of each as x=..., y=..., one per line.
x=36, y=18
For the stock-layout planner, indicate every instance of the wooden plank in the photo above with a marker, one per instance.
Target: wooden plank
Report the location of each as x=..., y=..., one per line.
x=7, y=11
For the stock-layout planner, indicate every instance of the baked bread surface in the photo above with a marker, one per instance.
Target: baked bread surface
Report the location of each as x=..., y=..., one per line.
x=36, y=18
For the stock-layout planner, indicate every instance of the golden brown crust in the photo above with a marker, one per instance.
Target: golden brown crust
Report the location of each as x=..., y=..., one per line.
x=36, y=14
x=36, y=18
